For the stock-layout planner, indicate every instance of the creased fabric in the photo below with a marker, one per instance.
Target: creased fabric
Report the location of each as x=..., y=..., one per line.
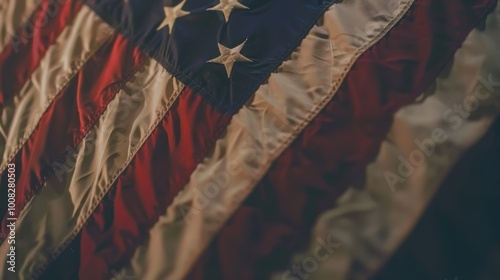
x=61, y=208
x=373, y=216
x=71, y=114
x=73, y=47
x=258, y=132
x=276, y=220
x=458, y=236
x=20, y=58
x=13, y=15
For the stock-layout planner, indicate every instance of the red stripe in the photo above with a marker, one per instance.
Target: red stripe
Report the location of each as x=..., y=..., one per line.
x=24, y=52
x=141, y=194
x=161, y=168
x=72, y=113
x=276, y=220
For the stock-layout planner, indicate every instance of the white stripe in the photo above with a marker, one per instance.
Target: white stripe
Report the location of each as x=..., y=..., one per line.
x=369, y=222
x=63, y=60
x=66, y=201
x=13, y=14
x=259, y=132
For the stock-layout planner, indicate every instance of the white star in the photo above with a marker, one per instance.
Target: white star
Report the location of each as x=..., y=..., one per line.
x=171, y=14
x=229, y=56
x=227, y=6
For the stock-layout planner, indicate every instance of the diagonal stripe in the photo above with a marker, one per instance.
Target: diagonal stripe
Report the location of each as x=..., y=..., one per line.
x=426, y=139
x=113, y=237
x=458, y=236
x=311, y=173
x=181, y=171
x=105, y=204
x=61, y=62
x=13, y=15
x=69, y=197
x=256, y=134
x=277, y=217
x=149, y=184
x=146, y=186
x=73, y=46
x=70, y=116
x=20, y=58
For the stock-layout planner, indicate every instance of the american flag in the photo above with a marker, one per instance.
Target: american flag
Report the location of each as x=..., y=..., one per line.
x=249, y=139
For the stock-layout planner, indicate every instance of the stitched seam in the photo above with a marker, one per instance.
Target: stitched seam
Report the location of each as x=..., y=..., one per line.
x=114, y=89
x=67, y=78
x=99, y=196
x=282, y=144
x=264, y=167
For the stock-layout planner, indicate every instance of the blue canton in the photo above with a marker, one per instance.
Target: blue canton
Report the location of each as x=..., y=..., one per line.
x=223, y=49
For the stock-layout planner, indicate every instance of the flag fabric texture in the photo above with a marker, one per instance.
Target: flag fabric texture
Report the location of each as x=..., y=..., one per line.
x=249, y=139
